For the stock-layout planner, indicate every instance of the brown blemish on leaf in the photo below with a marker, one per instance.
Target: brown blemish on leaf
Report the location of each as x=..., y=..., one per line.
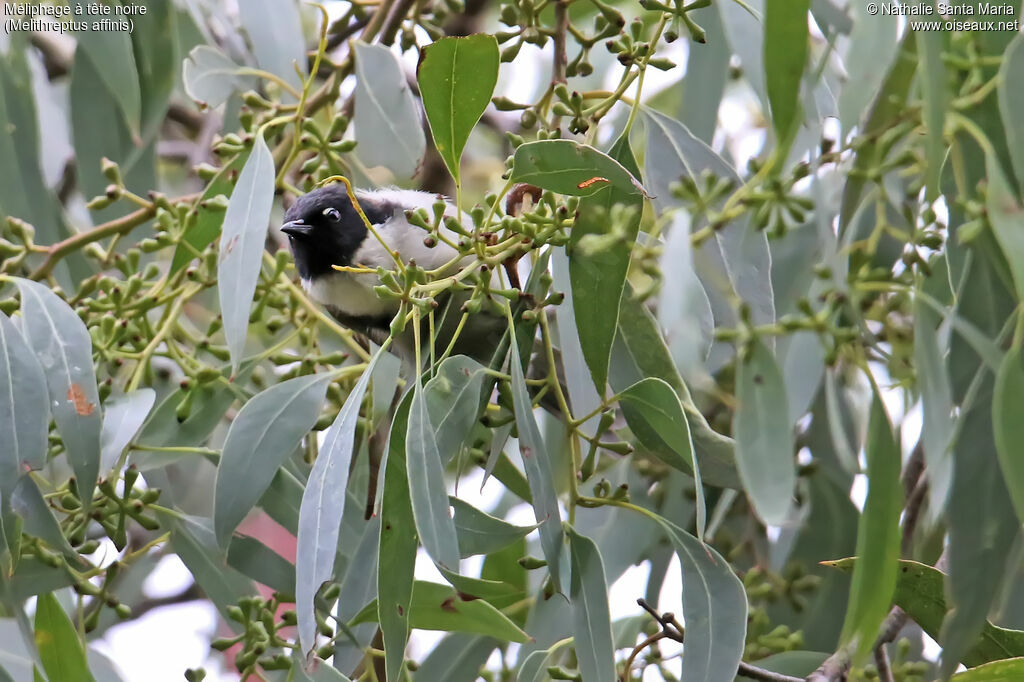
x=82, y=404
x=449, y=605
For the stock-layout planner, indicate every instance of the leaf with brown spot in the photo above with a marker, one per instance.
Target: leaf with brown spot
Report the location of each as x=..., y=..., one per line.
x=82, y=404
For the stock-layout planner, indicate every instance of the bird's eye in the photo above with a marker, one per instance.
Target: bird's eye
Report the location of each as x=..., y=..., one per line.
x=332, y=213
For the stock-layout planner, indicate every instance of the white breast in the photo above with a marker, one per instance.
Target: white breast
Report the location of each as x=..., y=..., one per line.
x=352, y=294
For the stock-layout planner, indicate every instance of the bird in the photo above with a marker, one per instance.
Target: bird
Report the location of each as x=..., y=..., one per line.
x=325, y=230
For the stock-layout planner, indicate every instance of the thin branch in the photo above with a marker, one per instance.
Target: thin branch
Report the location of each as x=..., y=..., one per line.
x=882, y=663
x=561, y=59
x=672, y=629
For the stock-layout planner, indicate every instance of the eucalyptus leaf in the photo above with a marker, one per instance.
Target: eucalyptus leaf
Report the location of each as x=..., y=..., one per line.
x=452, y=398
x=1009, y=427
x=1011, y=103
x=878, y=537
x=785, y=54
x=387, y=120
x=568, y=167
x=439, y=607
x=456, y=76
x=24, y=407
x=123, y=417
x=481, y=533
x=429, y=497
x=591, y=617
x=210, y=76
x=58, y=643
x=537, y=465
x=275, y=33
x=64, y=349
x=322, y=508
x=765, y=448
x=241, y=245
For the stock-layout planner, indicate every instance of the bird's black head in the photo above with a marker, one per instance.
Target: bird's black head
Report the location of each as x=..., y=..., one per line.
x=324, y=229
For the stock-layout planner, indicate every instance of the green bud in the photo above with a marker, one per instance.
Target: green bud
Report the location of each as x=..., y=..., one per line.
x=531, y=563
x=111, y=170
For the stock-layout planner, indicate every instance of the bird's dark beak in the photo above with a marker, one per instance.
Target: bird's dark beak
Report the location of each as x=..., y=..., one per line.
x=296, y=228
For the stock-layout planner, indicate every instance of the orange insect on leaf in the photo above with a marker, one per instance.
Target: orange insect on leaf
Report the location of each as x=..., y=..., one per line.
x=587, y=183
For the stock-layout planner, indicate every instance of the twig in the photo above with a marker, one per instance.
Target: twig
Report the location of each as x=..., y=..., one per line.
x=833, y=669
x=882, y=663
x=561, y=60
x=672, y=629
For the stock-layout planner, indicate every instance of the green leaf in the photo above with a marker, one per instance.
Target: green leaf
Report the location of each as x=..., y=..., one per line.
x=158, y=59
x=62, y=344
x=737, y=262
x=275, y=34
x=387, y=118
x=1008, y=425
x=765, y=450
x=210, y=76
x=123, y=416
x=34, y=577
x=707, y=70
x=785, y=54
x=482, y=588
x=592, y=627
x=1010, y=670
x=1011, y=101
x=111, y=53
x=714, y=609
x=453, y=402
x=1005, y=212
x=427, y=487
x=24, y=408
x=640, y=352
x=439, y=607
x=27, y=501
x=241, y=245
x=397, y=556
x=921, y=592
x=481, y=533
x=267, y=429
x=937, y=405
x=253, y=559
x=321, y=671
x=878, y=536
x=931, y=45
x=537, y=465
x=323, y=506
x=684, y=310
x=568, y=167
x=208, y=221
x=457, y=76
x=599, y=253
x=654, y=413
x=58, y=644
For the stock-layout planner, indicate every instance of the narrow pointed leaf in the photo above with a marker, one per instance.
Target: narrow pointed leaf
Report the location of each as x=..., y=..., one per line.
x=64, y=349
x=439, y=607
x=453, y=402
x=267, y=429
x=878, y=537
x=24, y=408
x=1008, y=425
x=59, y=646
x=592, y=627
x=123, y=416
x=397, y=554
x=241, y=245
x=714, y=610
x=684, y=310
x=654, y=413
x=387, y=118
x=1009, y=670
x=764, y=436
x=1011, y=102
x=1005, y=213
x=275, y=33
x=599, y=251
x=937, y=406
x=322, y=507
x=785, y=54
x=568, y=167
x=457, y=76
x=427, y=488
x=538, y=472
x=210, y=76
x=481, y=533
